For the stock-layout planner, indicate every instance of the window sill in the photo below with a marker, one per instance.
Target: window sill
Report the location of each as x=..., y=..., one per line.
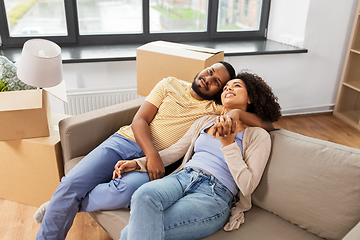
x=105, y=53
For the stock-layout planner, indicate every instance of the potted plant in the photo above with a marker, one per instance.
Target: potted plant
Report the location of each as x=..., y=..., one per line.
x=4, y=85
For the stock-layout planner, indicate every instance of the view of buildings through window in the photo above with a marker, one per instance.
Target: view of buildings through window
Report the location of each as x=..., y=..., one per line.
x=239, y=15
x=36, y=17
x=47, y=17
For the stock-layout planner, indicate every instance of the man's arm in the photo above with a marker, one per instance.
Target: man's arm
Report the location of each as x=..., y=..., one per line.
x=141, y=130
x=250, y=119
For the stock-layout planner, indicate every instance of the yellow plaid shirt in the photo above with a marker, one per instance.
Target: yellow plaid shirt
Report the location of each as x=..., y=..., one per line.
x=177, y=111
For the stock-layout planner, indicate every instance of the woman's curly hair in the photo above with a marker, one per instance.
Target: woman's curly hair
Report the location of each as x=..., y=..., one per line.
x=263, y=101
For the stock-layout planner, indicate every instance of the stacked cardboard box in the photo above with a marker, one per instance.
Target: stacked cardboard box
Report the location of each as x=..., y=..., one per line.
x=158, y=60
x=30, y=152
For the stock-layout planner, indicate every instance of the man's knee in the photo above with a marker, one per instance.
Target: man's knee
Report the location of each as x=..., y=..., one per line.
x=131, y=181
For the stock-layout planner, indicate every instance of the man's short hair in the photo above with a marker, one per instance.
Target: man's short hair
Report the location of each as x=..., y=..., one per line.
x=229, y=68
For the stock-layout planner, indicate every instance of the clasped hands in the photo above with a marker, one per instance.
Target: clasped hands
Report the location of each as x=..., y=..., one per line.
x=225, y=127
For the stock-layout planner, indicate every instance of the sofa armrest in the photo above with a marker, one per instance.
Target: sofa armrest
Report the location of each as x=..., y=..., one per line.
x=354, y=233
x=82, y=133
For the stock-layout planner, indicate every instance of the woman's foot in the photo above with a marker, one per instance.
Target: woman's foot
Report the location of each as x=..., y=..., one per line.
x=39, y=214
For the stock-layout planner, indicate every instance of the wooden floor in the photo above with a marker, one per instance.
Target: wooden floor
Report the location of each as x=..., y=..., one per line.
x=16, y=220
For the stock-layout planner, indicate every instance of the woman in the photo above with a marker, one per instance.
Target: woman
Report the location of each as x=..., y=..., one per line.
x=195, y=201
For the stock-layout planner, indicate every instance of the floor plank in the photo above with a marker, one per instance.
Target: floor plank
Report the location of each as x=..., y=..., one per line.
x=322, y=126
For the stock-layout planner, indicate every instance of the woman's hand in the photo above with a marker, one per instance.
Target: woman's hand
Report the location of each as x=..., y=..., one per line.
x=124, y=166
x=224, y=128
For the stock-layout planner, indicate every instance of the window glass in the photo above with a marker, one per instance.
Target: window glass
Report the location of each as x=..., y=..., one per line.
x=109, y=16
x=178, y=15
x=36, y=17
x=239, y=15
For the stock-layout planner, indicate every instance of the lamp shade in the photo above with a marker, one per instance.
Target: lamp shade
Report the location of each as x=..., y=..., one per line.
x=40, y=63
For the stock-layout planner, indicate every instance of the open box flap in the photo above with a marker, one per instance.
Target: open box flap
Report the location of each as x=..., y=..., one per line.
x=58, y=91
x=21, y=100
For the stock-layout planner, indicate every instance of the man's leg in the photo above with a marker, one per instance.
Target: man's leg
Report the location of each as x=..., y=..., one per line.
x=95, y=168
x=114, y=194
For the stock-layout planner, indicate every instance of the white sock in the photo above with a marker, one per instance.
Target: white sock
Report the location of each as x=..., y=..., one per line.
x=39, y=214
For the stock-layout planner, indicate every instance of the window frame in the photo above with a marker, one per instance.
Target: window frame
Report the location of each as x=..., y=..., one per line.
x=75, y=39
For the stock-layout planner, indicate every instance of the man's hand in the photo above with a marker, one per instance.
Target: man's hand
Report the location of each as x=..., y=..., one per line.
x=155, y=167
x=124, y=166
x=249, y=119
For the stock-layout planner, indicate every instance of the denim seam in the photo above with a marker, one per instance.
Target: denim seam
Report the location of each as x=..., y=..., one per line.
x=196, y=221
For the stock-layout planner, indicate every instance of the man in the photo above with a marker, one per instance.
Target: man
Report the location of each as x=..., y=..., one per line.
x=169, y=110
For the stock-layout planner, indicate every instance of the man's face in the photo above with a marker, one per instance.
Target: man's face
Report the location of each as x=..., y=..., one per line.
x=210, y=81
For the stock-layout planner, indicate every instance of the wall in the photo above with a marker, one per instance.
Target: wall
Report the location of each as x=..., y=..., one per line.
x=304, y=83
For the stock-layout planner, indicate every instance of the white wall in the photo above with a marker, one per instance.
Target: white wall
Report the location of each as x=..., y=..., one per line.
x=304, y=82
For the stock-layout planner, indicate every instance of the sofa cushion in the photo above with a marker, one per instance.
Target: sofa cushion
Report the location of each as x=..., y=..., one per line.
x=312, y=183
x=112, y=221
x=9, y=75
x=261, y=224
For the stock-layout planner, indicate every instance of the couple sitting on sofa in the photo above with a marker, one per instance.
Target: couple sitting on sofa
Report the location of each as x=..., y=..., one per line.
x=234, y=162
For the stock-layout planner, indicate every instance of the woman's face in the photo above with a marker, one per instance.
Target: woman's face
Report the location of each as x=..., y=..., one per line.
x=235, y=95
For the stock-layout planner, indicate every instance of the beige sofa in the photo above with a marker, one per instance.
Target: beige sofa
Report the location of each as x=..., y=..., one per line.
x=310, y=188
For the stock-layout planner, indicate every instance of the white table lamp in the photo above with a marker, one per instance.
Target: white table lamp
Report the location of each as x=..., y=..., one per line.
x=40, y=63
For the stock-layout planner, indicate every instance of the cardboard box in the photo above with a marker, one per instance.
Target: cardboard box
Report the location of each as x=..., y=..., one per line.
x=31, y=169
x=158, y=60
x=24, y=114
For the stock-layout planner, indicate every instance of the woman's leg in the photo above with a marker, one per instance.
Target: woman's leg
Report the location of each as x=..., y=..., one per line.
x=185, y=205
x=147, y=206
x=195, y=216
x=95, y=168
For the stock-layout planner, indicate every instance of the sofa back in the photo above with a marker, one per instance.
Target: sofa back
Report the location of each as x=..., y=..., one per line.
x=312, y=183
x=82, y=133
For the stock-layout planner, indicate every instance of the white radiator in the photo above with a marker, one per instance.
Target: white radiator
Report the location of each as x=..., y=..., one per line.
x=81, y=102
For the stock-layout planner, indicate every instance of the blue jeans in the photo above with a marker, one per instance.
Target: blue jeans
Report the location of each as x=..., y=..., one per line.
x=188, y=204
x=88, y=186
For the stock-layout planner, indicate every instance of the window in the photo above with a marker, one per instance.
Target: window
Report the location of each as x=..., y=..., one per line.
x=243, y=15
x=98, y=17
x=178, y=16
x=83, y=22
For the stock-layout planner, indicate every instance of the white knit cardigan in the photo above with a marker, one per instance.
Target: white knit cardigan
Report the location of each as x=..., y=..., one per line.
x=246, y=170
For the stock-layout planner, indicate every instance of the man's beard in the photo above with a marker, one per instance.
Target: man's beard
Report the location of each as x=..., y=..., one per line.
x=196, y=89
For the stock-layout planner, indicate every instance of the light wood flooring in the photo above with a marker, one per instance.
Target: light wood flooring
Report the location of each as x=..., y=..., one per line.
x=17, y=223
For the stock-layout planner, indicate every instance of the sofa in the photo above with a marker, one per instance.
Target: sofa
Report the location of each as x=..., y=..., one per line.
x=310, y=188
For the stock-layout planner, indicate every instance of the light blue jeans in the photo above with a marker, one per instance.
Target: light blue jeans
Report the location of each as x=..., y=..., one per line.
x=88, y=186
x=188, y=204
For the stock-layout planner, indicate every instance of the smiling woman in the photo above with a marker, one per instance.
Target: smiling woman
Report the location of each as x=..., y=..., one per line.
x=195, y=201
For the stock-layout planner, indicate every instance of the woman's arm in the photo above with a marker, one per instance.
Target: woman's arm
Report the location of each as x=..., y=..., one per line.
x=247, y=171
